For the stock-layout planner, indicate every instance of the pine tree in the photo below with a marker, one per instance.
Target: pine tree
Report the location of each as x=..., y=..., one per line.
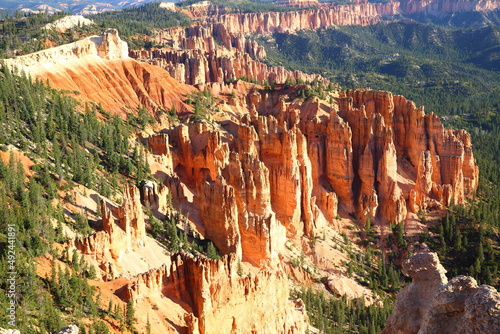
x=130, y=315
x=212, y=252
x=110, y=306
x=480, y=252
x=148, y=327
x=92, y=272
x=50, y=318
x=240, y=269
x=119, y=317
x=75, y=261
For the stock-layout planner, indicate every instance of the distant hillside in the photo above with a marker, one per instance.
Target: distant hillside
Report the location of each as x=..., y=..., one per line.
x=73, y=6
x=446, y=70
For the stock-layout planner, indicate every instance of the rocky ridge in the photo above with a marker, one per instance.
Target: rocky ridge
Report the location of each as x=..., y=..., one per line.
x=310, y=19
x=123, y=230
x=316, y=15
x=107, y=46
x=83, y=65
x=432, y=304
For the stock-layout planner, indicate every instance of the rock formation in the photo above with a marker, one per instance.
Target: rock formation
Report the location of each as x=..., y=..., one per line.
x=98, y=69
x=123, y=229
x=192, y=56
x=344, y=286
x=289, y=166
x=193, y=66
x=431, y=304
x=312, y=19
x=415, y=300
x=398, y=147
x=9, y=331
x=221, y=301
x=317, y=15
x=243, y=221
x=298, y=3
x=107, y=46
x=68, y=22
x=463, y=307
x=71, y=329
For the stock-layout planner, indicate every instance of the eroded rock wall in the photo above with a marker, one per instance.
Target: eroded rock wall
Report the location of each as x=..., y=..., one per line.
x=221, y=300
x=310, y=19
x=288, y=167
x=192, y=56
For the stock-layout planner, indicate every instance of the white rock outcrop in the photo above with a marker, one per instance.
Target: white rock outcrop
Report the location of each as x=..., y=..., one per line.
x=9, y=331
x=71, y=329
x=68, y=22
x=107, y=46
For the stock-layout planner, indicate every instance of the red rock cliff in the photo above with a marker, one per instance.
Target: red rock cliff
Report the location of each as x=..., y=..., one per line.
x=289, y=166
x=324, y=15
x=312, y=19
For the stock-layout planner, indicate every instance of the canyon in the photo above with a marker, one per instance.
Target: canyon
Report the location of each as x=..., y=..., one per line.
x=267, y=172
x=279, y=168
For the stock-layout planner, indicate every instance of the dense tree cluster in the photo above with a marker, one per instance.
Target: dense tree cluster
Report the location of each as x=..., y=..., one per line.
x=341, y=315
x=42, y=303
x=141, y=20
x=69, y=144
x=74, y=144
x=467, y=244
x=203, y=105
x=22, y=33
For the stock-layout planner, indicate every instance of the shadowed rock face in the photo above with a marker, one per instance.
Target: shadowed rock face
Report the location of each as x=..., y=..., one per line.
x=431, y=304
